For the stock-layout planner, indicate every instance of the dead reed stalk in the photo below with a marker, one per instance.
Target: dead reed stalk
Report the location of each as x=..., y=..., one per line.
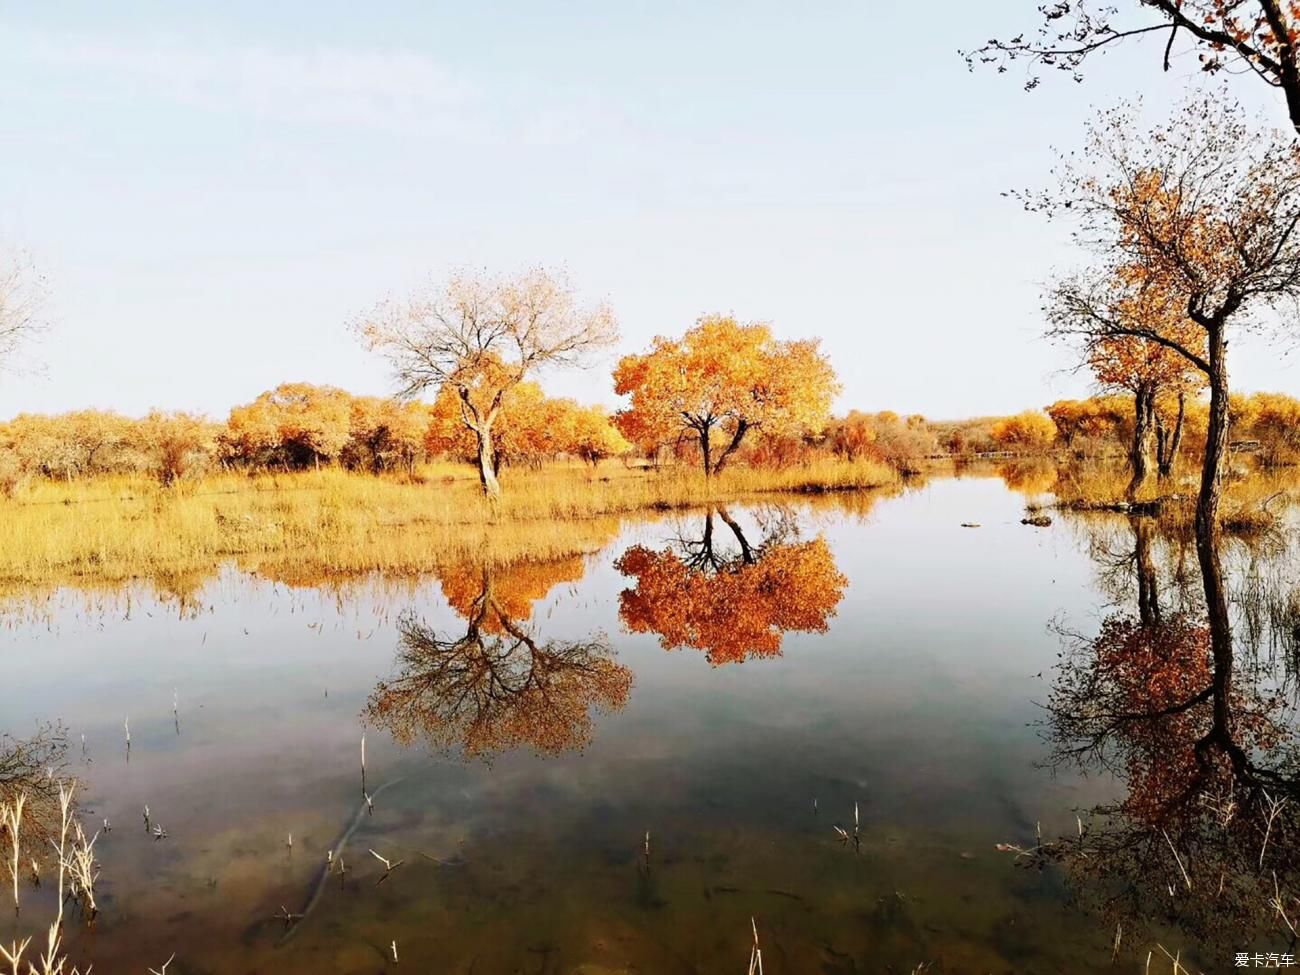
x=11, y=818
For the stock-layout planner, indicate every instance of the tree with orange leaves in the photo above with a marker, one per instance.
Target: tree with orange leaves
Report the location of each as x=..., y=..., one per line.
x=1207, y=760
x=499, y=686
x=1274, y=420
x=534, y=427
x=1095, y=418
x=295, y=425
x=590, y=435
x=1202, y=212
x=1248, y=37
x=720, y=381
x=384, y=434
x=1151, y=372
x=732, y=604
x=481, y=338
x=1029, y=431
x=174, y=444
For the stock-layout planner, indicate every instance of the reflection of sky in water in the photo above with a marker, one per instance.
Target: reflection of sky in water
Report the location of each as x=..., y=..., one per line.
x=915, y=704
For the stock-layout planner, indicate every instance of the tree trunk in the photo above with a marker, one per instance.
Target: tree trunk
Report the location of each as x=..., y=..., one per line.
x=746, y=553
x=706, y=451
x=1207, y=522
x=1168, y=449
x=1216, y=441
x=487, y=474
x=1147, y=579
x=1143, y=408
x=742, y=428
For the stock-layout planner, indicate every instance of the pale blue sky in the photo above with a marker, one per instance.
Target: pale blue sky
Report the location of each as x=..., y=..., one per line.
x=214, y=189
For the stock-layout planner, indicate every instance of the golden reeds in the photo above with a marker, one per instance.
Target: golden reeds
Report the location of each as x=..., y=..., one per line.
x=107, y=531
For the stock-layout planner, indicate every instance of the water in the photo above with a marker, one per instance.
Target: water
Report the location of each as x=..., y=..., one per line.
x=526, y=726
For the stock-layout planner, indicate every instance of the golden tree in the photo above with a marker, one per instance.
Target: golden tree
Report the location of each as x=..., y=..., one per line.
x=733, y=605
x=1031, y=430
x=525, y=431
x=853, y=436
x=533, y=428
x=295, y=425
x=1247, y=37
x=174, y=444
x=98, y=438
x=482, y=337
x=499, y=686
x=1095, y=418
x=1206, y=211
x=723, y=379
x=590, y=434
x=1151, y=372
x=1274, y=420
x=40, y=445
x=384, y=434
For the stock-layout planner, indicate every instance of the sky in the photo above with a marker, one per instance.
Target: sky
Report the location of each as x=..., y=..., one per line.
x=213, y=190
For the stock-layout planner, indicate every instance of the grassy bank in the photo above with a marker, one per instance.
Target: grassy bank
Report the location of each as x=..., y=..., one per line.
x=309, y=525
x=1255, y=498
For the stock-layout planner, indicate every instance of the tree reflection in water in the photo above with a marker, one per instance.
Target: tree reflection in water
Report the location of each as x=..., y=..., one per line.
x=33, y=768
x=732, y=603
x=1206, y=835
x=498, y=685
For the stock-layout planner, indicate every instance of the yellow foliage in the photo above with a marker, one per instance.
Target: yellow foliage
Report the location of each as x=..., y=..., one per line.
x=384, y=434
x=175, y=444
x=529, y=429
x=723, y=379
x=294, y=425
x=1030, y=430
x=732, y=606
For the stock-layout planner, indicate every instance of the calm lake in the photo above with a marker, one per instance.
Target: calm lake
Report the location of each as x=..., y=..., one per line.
x=823, y=717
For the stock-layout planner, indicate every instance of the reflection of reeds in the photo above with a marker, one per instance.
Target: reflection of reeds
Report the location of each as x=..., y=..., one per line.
x=1177, y=960
x=389, y=866
x=1254, y=499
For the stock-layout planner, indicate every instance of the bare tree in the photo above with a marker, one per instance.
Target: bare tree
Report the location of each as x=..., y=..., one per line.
x=1258, y=37
x=482, y=336
x=1203, y=208
x=22, y=296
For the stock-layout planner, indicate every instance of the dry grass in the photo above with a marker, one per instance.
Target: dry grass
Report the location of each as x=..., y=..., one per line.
x=1255, y=498
x=311, y=525
x=76, y=860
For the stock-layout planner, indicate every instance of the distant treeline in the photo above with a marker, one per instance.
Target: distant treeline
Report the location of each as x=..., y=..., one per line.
x=298, y=426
